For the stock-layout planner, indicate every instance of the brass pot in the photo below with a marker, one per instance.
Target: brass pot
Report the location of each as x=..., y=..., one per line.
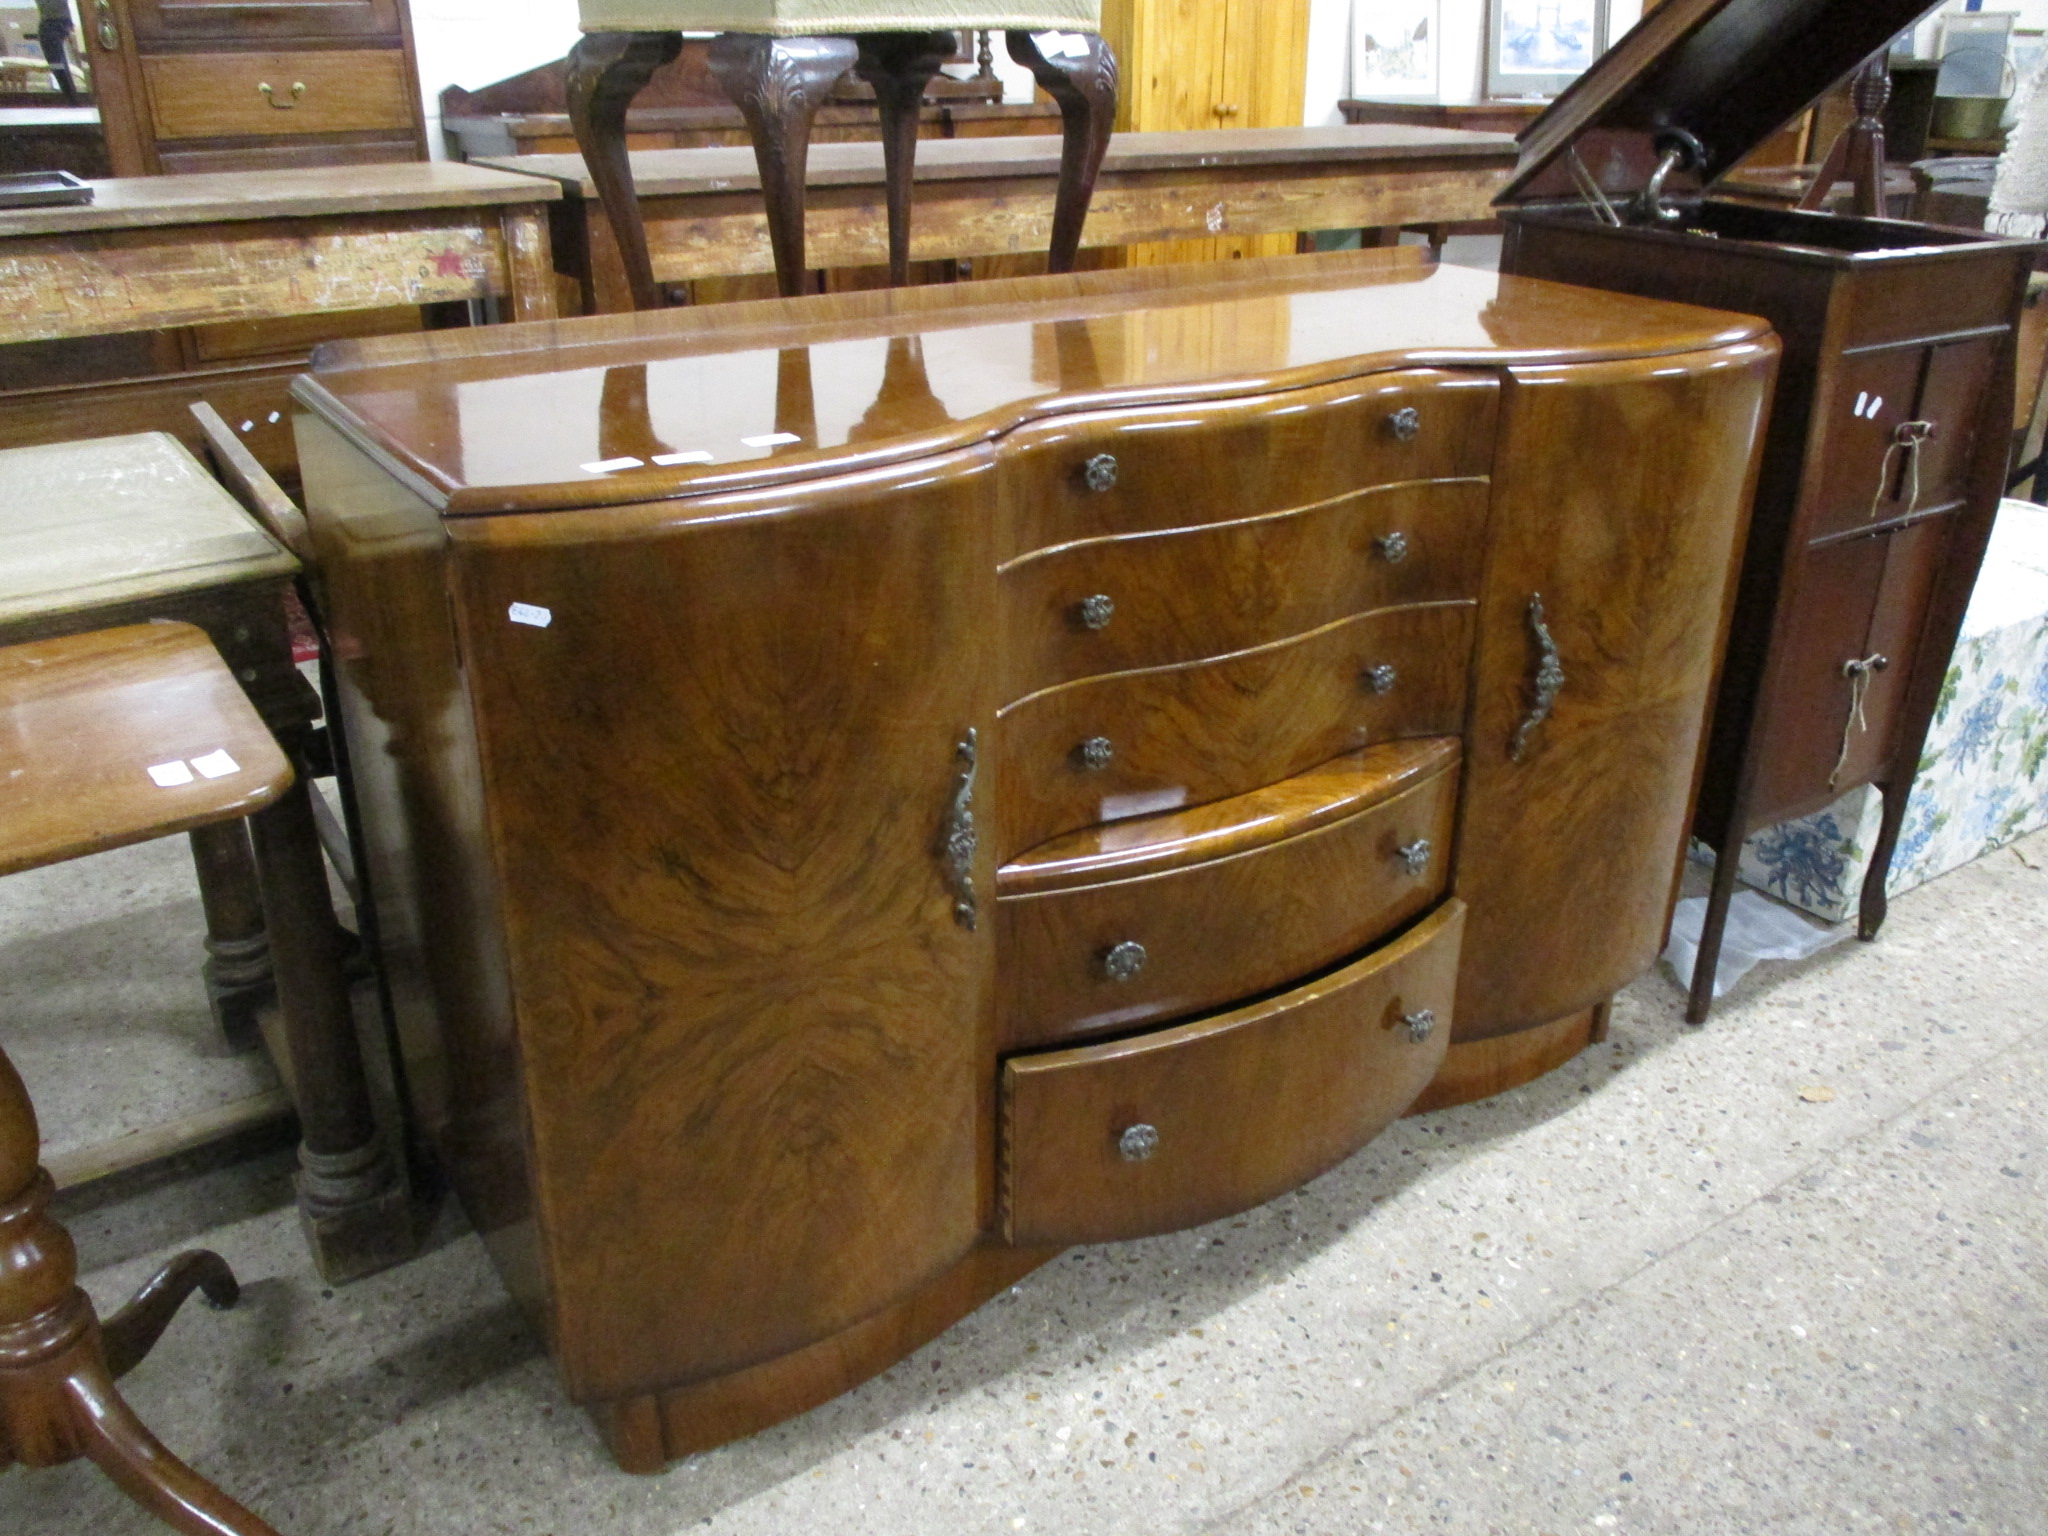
x=1968, y=117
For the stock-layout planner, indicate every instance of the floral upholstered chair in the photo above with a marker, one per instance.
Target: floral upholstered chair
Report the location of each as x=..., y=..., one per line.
x=777, y=60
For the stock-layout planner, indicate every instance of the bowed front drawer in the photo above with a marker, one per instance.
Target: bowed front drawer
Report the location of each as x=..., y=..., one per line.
x=1117, y=952
x=1208, y=1118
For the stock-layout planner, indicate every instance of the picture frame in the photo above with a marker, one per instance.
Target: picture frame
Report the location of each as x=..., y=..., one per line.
x=1395, y=49
x=1538, y=47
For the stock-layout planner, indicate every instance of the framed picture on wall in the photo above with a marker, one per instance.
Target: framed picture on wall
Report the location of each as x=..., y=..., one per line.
x=1538, y=47
x=1394, y=48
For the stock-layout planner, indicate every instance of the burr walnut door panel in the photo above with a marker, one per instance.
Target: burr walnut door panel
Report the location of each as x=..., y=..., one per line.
x=723, y=743
x=1621, y=495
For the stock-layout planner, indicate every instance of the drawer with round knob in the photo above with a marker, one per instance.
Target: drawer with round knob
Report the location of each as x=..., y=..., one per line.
x=1165, y=1130
x=1090, y=946
x=1098, y=474
x=1148, y=599
x=1158, y=739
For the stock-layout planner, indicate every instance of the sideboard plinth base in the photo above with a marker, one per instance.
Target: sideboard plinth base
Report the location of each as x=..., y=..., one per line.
x=645, y=1434
x=1479, y=1069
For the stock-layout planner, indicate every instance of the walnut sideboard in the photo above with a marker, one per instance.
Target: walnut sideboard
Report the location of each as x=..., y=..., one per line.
x=864, y=792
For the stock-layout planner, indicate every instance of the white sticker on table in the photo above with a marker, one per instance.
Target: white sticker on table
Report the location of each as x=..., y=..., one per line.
x=527, y=613
x=670, y=460
x=170, y=775
x=216, y=765
x=612, y=466
x=771, y=440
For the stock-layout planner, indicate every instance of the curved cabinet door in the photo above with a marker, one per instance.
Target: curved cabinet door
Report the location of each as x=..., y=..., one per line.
x=1621, y=494
x=720, y=743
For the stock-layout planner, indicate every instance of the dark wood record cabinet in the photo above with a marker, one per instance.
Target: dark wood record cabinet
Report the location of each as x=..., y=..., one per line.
x=1890, y=433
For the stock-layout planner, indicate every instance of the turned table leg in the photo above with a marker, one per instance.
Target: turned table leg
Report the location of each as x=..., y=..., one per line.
x=1085, y=88
x=352, y=1203
x=778, y=83
x=237, y=970
x=606, y=71
x=899, y=65
x=58, y=1401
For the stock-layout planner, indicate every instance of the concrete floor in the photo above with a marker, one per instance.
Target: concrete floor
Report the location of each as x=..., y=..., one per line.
x=1657, y=1291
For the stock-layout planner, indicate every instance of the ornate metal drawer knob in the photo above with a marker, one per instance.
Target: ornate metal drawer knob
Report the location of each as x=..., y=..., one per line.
x=1415, y=856
x=1101, y=472
x=1097, y=611
x=1137, y=1143
x=1393, y=547
x=1381, y=679
x=1124, y=961
x=1421, y=1024
x=1405, y=423
x=1096, y=753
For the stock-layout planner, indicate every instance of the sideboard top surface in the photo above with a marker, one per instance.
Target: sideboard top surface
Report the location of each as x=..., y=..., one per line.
x=636, y=408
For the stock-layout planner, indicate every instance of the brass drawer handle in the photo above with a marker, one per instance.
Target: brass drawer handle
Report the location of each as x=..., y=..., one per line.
x=1393, y=547
x=1137, y=1143
x=103, y=21
x=1421, y=1024
x=1549, y=680
x=1415, y=856
x=1096, y=753
x=1101, y=472
x=1381, y=679
x=270, y=95
x=958, y=839
x=1124, y=961
x=1097, y=611
x=1405, y=424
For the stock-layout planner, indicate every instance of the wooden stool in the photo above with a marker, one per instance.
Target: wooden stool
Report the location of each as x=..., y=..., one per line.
x=113, y=738
x=119, y=530
x=779, y=74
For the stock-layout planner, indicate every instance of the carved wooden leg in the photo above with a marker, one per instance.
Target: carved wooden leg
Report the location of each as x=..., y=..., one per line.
x=778, y=83
x=606, y=71
x=237, y=970
x=131, y=1333
x=899, y=65
x=57, y=1395
x=1708, y=962
x=1874, y=903
x=1085, y=88
x=352, y=1204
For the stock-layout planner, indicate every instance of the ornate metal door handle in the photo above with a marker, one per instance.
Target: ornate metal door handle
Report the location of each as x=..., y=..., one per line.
x=1405, y=423
x=1421, y=1024
x=1381, y=679
x=103, y=24
x=958, y=839
x=1101, y=472
x=1096, y=753
x=1415, y=856
x=1393, y=547
x=1124, y=961
x=1549, y=680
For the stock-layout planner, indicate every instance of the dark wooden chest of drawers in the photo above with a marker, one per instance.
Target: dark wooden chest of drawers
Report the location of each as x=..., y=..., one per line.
x=996, y=767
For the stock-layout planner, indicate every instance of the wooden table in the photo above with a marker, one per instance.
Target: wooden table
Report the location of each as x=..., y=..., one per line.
x=254, y=246
x=993, y=197
x=106, y=727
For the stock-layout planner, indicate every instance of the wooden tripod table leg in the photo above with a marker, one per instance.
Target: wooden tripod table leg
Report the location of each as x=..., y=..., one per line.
x=899, y=65
x=58, y=1401
x=606, y=71
x=1084, y=83
x=778, y=83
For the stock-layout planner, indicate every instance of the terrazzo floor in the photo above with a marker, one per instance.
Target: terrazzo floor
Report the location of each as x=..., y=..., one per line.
x=1655, y=1291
